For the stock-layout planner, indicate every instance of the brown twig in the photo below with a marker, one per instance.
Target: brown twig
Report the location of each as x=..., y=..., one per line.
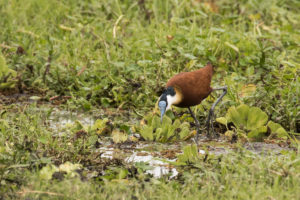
x=59, y=97
x=25, y=191
x=47, y=68
x=81, y=71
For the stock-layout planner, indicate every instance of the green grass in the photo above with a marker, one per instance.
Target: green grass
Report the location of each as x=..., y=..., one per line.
x=27, y=145
x=119, y=54
x=128, y=57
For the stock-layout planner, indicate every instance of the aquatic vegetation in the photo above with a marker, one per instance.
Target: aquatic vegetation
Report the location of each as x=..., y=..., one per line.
x=190, y=155
x=46, y=173
x=7, y=75
x=109, y=60
x=251, y=122
x=169, y=130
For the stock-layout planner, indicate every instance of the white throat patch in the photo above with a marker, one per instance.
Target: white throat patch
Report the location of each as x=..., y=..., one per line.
x=171, y=100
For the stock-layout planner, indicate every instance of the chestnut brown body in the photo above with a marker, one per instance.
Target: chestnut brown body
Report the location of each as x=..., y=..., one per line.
x=192, y=87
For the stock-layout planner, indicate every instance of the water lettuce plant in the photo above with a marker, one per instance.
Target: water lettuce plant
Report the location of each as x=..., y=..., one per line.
x=251, y=122
x=7, y=75
x=152, y=129
x=190, y=155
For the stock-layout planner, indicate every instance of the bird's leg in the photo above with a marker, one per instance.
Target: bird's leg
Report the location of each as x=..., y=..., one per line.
x=209, y=122
x=197, y=126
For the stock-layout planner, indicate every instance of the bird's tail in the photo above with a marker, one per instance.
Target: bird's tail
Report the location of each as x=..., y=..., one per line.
x=209, y=68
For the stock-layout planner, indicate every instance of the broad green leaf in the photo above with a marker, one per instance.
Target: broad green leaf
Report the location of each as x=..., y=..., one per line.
x=239, y=115
x=177, y=123
x=69, y=167
x=256, y=118
x=222, y=120
x=277, y=129
x=258, y=133
x=147, y=133
x=158, y=134
x=119, y=137
x=43, y=139
x=100, y=125
x=185, y=134
x=149, y=118
x=170, y=114
x=156, y=122
x=184, y=125
x=166, y=121
x=47, y=172
x=123, y=173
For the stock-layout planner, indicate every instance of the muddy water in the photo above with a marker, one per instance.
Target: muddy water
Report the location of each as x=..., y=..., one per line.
x=60, y=118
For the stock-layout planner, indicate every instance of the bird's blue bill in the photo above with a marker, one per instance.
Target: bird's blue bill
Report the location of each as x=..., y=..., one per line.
x=162, y=107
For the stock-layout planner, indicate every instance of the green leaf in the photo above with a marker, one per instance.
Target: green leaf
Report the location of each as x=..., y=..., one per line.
x=164, y=131
x=256, y=118
x=239, y=115
x=258, y=133
x=222, y=120
x=119, y=137
x=166, y=121
x=158, y=134
x=184, y=133
x=69, y=167
x=9, y=74
x=156, y=122
x=100, y=126
x=232, y=46
x=147, y=133
x=277, y=129
x=47, y=172
x=190, y=155
x=247, y=118
x=123, y=173
x=170, y=114
x=92, y=140
x=43, y=139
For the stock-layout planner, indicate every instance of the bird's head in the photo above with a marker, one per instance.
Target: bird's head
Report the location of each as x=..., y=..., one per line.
x=169, y=97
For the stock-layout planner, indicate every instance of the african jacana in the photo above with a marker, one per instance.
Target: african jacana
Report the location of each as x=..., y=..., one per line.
x=188, y=89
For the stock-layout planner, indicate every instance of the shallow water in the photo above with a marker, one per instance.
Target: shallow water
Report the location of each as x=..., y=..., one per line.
x=151, y=152
x=60, y=119
x=159, y=167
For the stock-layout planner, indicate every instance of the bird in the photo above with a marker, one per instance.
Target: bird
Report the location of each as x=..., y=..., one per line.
x=188, y=89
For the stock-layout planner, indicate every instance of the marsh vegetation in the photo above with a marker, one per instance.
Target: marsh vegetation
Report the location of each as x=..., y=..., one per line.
x=79, y=81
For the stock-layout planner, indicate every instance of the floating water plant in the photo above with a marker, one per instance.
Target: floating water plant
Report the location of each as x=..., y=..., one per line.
x=152, y=129
x=251, y=122
x=7, y=75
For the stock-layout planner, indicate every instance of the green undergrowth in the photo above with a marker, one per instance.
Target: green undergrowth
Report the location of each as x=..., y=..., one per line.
x=121, y=53
x=38, y=162
x=115, y=57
